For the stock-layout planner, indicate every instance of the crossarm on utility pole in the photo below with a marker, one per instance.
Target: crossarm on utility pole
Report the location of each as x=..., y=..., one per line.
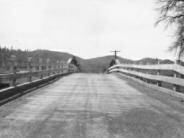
x=115, y=53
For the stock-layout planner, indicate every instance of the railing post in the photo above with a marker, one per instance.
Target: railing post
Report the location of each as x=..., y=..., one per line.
x=158, y=61
x=48, y=66
x=14, y=79
x=29, y=79
x=13, y=70
x=57, y=67
x=175, y=87
x=174, y=74
x=40, y=67
x=53, y=68
x=61, y=67
x=158, y=72
x=40, y=64
x=159, y=84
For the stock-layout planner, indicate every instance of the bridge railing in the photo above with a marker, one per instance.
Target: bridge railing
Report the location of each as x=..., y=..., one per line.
x=164, y=75
x=22, y=80
x=28, y=76
x=29, y=80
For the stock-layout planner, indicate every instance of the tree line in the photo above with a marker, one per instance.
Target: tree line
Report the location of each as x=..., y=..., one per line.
x=9, y=56
x=6, y=54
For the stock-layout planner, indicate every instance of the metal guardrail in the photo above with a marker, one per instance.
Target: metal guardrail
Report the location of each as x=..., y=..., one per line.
x=171, y=74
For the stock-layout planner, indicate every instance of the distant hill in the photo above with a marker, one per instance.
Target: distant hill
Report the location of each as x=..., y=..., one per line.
x=52, y=55
x=99, y=64
x=93, y=65
x=153, y=61
x=166, y=61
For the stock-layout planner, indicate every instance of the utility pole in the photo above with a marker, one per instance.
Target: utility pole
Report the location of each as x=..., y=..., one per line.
x=115, y=53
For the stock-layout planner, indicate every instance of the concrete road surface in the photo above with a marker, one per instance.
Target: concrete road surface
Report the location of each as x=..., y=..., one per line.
x=93, y=106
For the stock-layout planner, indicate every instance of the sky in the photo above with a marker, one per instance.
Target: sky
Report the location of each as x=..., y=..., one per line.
x=85, y=28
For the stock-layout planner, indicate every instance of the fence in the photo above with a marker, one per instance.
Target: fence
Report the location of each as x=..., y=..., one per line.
x=170, y=76
x=23, y=81
x=25, y=76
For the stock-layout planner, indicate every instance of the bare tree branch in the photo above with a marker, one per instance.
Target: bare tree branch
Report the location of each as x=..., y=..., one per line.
x=172, y=12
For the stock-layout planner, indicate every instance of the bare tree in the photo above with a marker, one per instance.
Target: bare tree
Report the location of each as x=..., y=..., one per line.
x=172, y=12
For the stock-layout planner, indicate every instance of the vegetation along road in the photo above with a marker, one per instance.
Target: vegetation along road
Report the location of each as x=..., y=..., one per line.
x=93, y=106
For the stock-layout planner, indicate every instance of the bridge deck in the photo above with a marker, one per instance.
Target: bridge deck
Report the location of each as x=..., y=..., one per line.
x=93, y=106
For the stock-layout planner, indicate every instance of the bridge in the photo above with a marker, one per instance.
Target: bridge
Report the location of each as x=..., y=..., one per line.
x=129, y=101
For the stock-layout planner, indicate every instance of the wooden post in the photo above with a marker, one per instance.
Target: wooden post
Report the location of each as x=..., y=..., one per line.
x=48, y=66
x=14, y=79
x=53, y=68
x=57, y=67
x=159, y=84
x=40, y=64
x=61, y=66
x=158, y=72
x=175, y=87
x=157, y=61
x=174, y=74
x=29, y=67
x=13, y=70
x=41, y=67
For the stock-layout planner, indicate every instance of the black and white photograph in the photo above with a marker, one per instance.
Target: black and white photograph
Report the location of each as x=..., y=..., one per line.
x=91, y=69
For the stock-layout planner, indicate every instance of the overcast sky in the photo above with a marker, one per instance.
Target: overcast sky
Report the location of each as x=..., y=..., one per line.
x=86, y=28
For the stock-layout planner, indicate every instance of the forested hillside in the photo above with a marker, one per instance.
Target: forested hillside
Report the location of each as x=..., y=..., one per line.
x=21, y=57
x=94, y=65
